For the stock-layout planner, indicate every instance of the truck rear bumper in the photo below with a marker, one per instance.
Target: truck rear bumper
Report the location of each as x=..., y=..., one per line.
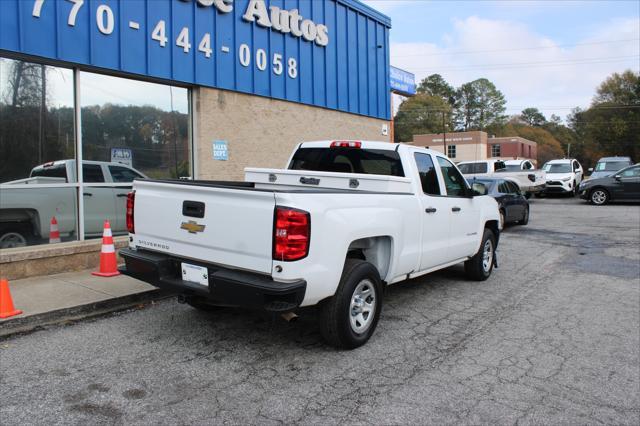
x=226, y=286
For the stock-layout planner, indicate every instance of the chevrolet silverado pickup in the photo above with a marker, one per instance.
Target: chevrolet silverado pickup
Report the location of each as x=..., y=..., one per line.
x=344, y=220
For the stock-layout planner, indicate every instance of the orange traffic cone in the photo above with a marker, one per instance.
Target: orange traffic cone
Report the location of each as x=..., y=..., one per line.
x=6, y=303
x=54, y=233
x=108, y=261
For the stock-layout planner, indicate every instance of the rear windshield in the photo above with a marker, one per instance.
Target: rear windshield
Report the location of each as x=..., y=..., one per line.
x=611, y=166
x=472, y=168
x=513, y=167
x=54, y=171
x=348, y=160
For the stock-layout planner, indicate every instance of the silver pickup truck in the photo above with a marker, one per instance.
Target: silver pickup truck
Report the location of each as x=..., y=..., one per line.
x=26, y=206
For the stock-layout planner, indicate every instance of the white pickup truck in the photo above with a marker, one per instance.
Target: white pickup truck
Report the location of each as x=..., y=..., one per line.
x=26, y=207
x=521, y=172
x=344, y=220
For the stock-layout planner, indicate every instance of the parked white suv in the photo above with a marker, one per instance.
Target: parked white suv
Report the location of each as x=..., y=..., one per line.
x=563, y=176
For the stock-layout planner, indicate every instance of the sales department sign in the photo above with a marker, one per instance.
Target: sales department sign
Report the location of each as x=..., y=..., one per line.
x=328, y=53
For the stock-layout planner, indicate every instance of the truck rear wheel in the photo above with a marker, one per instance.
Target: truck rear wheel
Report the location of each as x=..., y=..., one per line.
x=479, y=267
x=350, y=317
x=12, y=236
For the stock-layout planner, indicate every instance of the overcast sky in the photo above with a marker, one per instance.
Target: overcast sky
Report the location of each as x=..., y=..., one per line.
x=546, y=54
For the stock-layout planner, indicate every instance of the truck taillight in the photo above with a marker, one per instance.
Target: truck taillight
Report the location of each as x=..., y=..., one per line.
x=131, y=201
x=346, y=144
x=291, y=234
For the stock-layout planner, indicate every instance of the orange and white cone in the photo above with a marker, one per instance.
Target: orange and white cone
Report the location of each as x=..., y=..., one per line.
x=108, y=261
x=6, y=302
x=54, y=233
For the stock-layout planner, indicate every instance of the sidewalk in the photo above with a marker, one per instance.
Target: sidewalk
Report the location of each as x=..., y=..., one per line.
x=71, y=296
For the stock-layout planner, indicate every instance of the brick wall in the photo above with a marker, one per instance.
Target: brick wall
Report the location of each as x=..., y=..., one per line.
x=262, y=132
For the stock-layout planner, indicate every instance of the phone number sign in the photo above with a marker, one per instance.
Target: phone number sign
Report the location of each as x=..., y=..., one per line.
x=285, y=49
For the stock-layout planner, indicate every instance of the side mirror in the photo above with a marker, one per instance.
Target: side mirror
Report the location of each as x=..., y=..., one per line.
x=590, y=169
x=478, y=189
x=618, y=178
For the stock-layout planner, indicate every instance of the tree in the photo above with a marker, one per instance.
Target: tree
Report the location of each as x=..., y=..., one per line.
x=611, y=125
x=479, y=104
x=421, y=114
x=533, y=117
x=619, y=89
x=435, y=85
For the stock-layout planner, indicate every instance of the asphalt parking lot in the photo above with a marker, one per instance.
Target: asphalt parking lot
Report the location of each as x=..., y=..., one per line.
x=552, y=337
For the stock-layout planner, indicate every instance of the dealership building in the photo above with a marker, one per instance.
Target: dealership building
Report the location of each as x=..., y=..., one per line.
x=189, y=89
x=478, y=145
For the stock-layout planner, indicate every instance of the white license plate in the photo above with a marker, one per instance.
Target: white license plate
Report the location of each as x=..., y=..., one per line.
x=195, y=274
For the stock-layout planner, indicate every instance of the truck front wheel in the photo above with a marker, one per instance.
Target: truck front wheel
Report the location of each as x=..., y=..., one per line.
x=479, y=267
x=350, y=317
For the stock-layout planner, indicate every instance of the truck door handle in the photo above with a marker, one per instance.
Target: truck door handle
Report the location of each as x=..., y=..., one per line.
x=87, y=194
x=431, y=210
x=121, y=195
x=455, y=209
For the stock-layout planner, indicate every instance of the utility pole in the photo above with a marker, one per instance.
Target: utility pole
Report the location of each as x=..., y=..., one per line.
x=444, y=133
x=569, y=150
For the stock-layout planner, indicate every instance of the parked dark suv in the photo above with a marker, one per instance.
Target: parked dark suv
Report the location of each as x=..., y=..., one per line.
x=624, y=185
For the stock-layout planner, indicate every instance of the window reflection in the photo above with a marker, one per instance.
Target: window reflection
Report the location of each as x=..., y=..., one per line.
x=37, y=146
x=142, y=125
x=36, y=117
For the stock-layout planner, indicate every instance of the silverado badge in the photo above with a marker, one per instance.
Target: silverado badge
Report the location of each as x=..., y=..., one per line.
x=192, y=226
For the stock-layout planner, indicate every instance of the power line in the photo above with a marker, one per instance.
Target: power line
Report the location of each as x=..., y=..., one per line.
x=471, y=52
x=542, y=64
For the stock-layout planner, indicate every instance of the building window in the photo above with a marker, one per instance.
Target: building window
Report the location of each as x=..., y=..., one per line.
x=495, y=150
x=451, y=151
x=129, y=129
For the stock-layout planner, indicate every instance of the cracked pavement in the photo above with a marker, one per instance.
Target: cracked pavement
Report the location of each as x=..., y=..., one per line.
x=552, y=337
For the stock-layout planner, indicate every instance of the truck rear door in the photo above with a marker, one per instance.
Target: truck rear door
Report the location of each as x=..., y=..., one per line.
x=229, y=226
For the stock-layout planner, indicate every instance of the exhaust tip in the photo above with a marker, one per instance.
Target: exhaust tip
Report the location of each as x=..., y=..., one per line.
x=289, y=317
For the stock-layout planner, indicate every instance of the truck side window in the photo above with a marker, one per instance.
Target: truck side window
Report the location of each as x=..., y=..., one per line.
x=92, y=173
x=503, y=188
x=454, y=182
x=122, y=174
x=427, y=172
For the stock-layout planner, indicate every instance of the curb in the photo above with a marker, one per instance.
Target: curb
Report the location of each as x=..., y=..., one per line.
x=28, y=324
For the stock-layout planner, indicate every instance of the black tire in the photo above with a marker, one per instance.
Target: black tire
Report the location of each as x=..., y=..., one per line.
x=336, y=313
x=475, y=268
x=503, y=218
x=527, y=195
x=15, y=235
x=599, y=196
x=538, y=194
x=525, y=217
x=201, y=304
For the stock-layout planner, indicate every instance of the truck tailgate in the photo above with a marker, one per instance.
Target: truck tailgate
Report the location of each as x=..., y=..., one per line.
x=235, y=229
